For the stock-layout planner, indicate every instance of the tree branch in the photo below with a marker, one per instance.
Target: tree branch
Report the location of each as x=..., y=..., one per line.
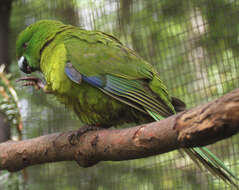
x=199, y=126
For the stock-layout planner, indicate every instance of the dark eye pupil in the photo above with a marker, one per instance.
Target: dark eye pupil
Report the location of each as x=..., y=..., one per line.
x=25, y=45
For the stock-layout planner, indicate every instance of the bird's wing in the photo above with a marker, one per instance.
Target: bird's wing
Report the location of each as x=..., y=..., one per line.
x=97, y=54
x=117, y=71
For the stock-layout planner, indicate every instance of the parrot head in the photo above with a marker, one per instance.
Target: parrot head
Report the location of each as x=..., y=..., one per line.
x=32, y=41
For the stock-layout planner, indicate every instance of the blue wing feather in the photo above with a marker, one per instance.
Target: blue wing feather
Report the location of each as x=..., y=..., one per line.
x=94, y=81
x=72, y=73
x=127, y=91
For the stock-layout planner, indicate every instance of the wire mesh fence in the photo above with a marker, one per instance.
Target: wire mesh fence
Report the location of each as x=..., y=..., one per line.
x=194, y=44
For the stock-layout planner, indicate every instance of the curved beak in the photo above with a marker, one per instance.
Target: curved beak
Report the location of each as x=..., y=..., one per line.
x=23, y=65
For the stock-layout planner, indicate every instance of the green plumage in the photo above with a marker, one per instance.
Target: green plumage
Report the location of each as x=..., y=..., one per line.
x=92, y=53
x=103, y=81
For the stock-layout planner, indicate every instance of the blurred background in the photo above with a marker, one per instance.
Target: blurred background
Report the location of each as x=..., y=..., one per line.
x=194, y=44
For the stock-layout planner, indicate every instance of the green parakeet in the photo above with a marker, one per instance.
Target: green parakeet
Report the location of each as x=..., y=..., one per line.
x=103, y=81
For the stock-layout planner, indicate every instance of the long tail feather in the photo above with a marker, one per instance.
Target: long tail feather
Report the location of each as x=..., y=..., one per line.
x=203, y=157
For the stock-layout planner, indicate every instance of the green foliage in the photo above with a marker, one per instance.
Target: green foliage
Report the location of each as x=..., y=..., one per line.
x=12, y=181
x=9, y=101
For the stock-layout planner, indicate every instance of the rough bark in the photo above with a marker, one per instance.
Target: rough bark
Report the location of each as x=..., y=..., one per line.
x=199, y=126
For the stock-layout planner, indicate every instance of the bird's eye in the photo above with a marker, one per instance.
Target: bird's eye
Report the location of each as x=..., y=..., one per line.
x=25, y=45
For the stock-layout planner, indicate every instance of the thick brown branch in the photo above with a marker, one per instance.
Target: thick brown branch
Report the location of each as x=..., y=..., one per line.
x=196, y=127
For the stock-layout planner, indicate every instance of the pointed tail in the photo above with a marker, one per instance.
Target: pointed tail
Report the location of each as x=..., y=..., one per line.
x=203, y=157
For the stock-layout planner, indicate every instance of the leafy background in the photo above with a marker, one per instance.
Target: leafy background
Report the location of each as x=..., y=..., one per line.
x=194, y=45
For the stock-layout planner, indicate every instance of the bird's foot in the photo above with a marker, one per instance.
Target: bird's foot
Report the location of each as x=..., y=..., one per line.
x=74, y=138
x=32, y=81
